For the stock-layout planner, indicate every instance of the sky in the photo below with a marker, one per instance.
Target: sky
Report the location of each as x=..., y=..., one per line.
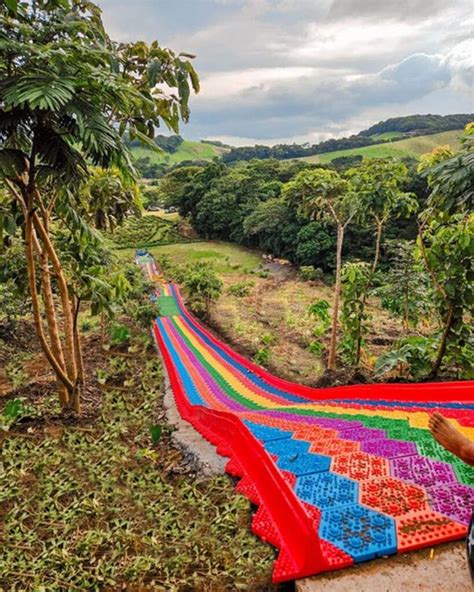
x=276, y=71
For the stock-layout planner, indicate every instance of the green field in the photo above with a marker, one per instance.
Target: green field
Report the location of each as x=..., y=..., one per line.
x=188, y=150
x=386, y=136
x=414, y=147
x=226, y=257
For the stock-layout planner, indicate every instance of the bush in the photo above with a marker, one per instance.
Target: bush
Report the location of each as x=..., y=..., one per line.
x=203, y=286
x=413, y=356
x=241, y=289
x=119, y=334
x=315, y=347
x=308, y=273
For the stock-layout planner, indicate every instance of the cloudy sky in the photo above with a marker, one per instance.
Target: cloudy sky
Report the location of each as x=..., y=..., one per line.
x=307, y=70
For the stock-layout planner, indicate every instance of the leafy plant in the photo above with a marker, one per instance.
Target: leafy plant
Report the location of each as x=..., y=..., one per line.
x=119, y=334
x=354, y=317
x=241, y=289
x=406, y=291
x=155, y=432
x=315, y=347
x=262, y=356
x=16, y=373
x=268, y=339
x=12, y=412
x=319, y=310
x=413, y=356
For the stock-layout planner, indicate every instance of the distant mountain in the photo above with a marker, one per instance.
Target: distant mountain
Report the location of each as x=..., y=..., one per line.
x=393, y=129
x=419, y=124
x=174, y=151
x=398, y=136
x=399, y=146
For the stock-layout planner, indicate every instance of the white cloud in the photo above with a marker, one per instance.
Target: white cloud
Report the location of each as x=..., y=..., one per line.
x=284, y=70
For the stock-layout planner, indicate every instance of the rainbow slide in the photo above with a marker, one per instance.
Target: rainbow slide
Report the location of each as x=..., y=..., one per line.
x=340, y=475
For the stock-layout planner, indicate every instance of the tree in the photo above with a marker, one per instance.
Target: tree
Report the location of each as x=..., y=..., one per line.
x=449, y=245
x=378, y=185
x=68, y=95
x=406, y=289
x=324, y=194
x=354, y=317
x=203, y=286
x=107, y=197
x=445, y=239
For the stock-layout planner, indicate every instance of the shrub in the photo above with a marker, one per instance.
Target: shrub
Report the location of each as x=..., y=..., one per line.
x=203, y=286
x=414, y=356
x=241, y=289
x=308, y=273
x=119, y=334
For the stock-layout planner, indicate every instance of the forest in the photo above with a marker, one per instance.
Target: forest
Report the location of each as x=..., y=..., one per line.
x=379, y=228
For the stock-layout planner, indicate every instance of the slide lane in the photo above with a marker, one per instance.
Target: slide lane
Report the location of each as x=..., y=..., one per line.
x=340, y=475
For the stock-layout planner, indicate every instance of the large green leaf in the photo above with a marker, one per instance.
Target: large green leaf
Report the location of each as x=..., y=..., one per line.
x=12, y=163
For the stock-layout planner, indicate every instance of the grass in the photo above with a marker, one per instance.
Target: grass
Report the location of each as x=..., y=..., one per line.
x=226, y=257
x=386, y=136
x=413, y=147
x=146, y=231
x=188, y=150
x=98, y=505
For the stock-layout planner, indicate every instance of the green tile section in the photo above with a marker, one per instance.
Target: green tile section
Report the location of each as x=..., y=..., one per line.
x=168, y=306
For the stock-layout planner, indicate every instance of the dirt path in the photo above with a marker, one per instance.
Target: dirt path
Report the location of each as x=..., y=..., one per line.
x=440, y=569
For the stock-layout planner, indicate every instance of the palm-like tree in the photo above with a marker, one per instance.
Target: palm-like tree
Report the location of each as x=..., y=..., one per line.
x=68, y=94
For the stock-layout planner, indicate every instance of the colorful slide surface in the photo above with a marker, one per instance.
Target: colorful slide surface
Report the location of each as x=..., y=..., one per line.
x=340, y=475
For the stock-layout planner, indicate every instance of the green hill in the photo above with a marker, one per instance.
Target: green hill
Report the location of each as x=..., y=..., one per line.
x=413, y=147
x=188, y=150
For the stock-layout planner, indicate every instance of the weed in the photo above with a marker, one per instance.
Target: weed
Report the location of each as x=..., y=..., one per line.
x=16, y=373
x=262, y=356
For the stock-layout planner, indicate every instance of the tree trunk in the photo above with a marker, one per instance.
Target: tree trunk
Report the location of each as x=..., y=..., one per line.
x=336, y=299
x=81, y=379
x=102, y=329
x=70, y=356
x=52, y=323
x=31, y=270
x=444, y=342
x=375, y=262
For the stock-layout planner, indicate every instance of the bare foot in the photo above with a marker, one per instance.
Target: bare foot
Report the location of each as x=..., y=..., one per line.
x=449, y=437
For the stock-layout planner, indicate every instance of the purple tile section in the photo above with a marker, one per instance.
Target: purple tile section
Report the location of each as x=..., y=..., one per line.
x=210, y=382
x=361, y=434
x=323, y=422
x=389, y=448
x=422, y=471
x=455, y=501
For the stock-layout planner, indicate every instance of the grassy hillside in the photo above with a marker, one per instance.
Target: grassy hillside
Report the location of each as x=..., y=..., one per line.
x=188, y=150
x=409, y=147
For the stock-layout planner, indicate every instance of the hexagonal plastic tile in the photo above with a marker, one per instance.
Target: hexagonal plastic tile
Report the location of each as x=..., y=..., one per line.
x=326, y=490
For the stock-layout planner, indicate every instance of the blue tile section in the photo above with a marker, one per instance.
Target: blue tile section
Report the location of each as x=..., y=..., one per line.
x=267, y=433
x=327, y=490
x=360, y=532
x=304, y=463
